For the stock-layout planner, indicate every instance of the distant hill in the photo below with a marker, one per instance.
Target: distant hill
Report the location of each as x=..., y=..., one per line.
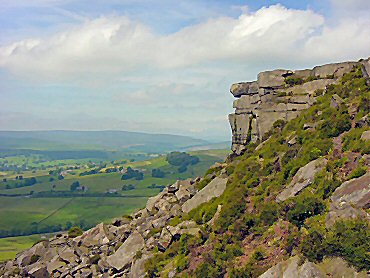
x=61, y=140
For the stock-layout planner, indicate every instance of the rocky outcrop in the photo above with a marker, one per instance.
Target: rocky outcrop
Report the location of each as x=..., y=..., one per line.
x=303, y=178
x=272, y=97
x=349, y=200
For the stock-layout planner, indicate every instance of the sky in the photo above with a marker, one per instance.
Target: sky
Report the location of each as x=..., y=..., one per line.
x=159, y=66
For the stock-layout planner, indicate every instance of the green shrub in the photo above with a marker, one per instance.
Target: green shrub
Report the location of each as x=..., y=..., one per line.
x=94, y=259
x=318, y=92
x=303, y=208
x=74, y=232
x=315, y=153
x=292, y=80
x=358, y=172
x=34, y=258
x=313, y=246
x=349, y=239
x=270, y=213
x=279, y=124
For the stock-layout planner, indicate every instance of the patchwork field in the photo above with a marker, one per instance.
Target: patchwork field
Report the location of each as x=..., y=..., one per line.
x=50, y=205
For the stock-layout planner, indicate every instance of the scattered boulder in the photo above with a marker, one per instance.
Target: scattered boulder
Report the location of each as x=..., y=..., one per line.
x=330, y=267
x=303, y=178
x=364, y=121
x=349, y=199
x=214, y=189
x=365, y=135
x=292, y=141
x=336, y=101
x=95, y=236
x=39, y=271
x=291, y=268
x=126, y=252
x=138, y=266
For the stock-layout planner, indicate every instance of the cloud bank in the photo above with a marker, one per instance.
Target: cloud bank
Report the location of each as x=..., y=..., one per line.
x=186, y=72
x=113, y=44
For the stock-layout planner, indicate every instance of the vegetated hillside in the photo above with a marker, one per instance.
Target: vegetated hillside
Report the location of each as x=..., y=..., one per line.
x=268, y=216
x=60, y=140
x=296, y=204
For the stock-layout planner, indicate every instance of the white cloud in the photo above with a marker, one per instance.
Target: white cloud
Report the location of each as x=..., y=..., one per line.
x=117, y=45
x=175, y=83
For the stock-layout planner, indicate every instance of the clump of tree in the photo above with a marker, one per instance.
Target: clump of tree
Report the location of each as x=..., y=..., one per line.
x=181, y=159
x=158, y=173
x=128, y=187
x=132, y=174
x=91, y=172
x=155, y=186
x=75, y=185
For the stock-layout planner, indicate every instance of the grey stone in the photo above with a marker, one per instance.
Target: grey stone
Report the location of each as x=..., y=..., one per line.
x=365, y=135
x=244, y=88
x=138, y=266
x=214, y=189
x=272, y=79
x=336, y=101
x=127, y=251
x=39, y=271
x=303, y=178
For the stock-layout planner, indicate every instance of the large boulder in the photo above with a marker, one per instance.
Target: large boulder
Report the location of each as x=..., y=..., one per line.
x=126, y=252
x=303, y=178
x=97, y=235
x=244, y=88
x=365, y=135
x=336, y=69
x=39, y=271
x=349, y=199
x=272, y=79
x=214, y=189
x=330, y=267
x=355, y=191
x=292, y=268
x=138, y=266
x=336, y=101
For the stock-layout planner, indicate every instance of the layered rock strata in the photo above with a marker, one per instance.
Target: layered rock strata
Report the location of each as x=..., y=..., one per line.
x=274, y=96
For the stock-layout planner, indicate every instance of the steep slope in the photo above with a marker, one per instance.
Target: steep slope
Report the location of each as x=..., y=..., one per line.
x=292, y=203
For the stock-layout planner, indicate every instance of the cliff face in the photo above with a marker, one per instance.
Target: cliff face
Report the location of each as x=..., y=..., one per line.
x=280, y=95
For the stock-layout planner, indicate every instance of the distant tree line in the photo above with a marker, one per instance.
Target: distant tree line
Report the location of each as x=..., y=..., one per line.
x=132, y=174
x=181, y=159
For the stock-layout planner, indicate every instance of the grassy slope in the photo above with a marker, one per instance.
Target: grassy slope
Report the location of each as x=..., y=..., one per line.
x=10, y=246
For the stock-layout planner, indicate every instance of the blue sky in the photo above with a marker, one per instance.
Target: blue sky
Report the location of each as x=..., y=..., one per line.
x=156, y=66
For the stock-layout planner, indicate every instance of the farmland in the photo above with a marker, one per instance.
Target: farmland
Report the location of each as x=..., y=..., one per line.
x=49, y=204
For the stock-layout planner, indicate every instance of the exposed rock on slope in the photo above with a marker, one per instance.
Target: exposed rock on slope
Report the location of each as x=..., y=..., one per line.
x=260, y=103
x=303, y=178
x=349, y=199
x=335, y=267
